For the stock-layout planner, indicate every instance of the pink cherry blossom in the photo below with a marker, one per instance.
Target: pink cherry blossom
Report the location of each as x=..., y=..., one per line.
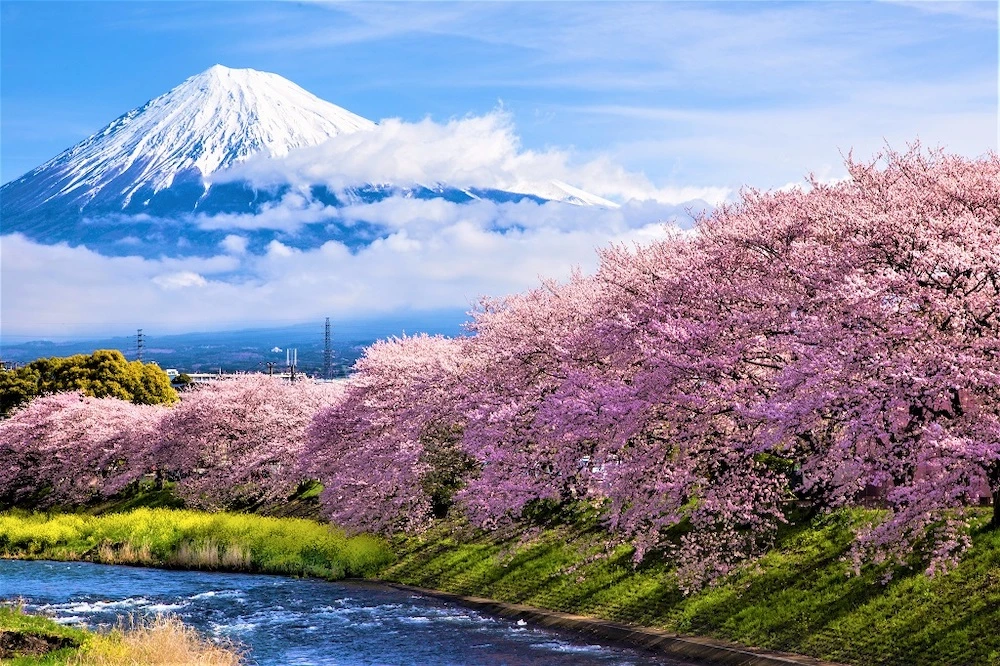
x=238, y=441
x=67, y=448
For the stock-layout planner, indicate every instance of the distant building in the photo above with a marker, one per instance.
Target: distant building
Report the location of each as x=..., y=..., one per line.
x=206, y=377
x=209, y=377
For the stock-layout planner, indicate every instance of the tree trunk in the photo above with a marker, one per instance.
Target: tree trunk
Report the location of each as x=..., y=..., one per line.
x=995, y=521
x=994, y=480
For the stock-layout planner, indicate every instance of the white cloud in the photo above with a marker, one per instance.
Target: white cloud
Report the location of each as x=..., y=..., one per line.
x=179, y=280
x=278, y=249
x=477, y=151
x=234, y=244
x=770, y=147
x=51, y=288
x=433, y=253
x=292, y=211
x=436, y=255
x=975, y=10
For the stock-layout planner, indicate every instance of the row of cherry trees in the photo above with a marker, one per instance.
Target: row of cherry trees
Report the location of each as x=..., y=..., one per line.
x=229, y=444
x=807, y=344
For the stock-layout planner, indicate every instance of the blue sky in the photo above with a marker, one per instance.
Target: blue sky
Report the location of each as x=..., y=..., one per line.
x=650, y=104
x=689, y=93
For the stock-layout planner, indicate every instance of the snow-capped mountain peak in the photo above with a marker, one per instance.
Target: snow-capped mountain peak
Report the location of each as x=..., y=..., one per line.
x=211, y=121
x=161, y=174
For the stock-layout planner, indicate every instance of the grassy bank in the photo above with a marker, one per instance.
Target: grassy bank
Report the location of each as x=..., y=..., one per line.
x=30, y=640
x=799, y=598
x=192, y=540
x=36, y=640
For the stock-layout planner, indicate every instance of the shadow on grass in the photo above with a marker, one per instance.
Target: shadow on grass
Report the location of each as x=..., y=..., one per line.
x=801, y=597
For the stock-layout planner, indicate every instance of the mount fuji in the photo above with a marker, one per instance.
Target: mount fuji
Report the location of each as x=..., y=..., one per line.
x=154, y=181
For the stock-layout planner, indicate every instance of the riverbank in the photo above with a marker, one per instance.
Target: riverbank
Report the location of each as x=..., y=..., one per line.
x=182, y=539
x=30, y=640
x=699, y=649
x=798, y=599
x=173, y=539
x=27, y=640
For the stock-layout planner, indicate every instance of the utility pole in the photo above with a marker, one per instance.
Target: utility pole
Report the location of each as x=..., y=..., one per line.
x=327, y=353
x=291, y=360
x=139, y=343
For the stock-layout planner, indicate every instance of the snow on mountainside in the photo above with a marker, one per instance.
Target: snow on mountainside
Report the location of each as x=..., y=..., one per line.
x=144, y=184
x=209, y=122
x=560, y=191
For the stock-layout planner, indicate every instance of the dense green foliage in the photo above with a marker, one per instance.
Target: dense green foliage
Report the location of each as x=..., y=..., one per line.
x=192, y=540
x=182, y=381
x=104, y=374
x=798, y=598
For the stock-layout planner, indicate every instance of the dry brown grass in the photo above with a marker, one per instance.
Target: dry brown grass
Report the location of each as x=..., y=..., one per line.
x=124, y=554
x=165, y=641
x=210, y=555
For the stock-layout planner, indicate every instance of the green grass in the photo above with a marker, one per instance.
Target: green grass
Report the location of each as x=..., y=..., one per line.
x=194, y=540
x=12, y=619
x=799, y=598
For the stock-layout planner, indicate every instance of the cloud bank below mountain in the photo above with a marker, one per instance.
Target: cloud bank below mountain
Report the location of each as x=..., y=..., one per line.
x=269, y=266
x=75, y=291
x=438, y=255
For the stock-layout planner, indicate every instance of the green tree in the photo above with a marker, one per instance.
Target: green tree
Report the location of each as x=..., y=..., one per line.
x=182, y=381
x=16, y=388
x=104, y=374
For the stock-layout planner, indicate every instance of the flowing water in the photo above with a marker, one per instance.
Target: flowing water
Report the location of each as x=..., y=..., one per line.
x=286, y=621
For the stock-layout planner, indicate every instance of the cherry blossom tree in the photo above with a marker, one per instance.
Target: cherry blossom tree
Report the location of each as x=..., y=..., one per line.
x=67, y=448
x=238, y=441
x=686, y=344
x=814, y=344
x=387, y=454
x=892, y=380
x=823, y=341
x=524, y=350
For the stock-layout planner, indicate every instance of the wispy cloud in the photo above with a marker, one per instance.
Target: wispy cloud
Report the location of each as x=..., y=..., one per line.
x=716, y=81
x=972, y=10
x=293, y=211
x=729, y=48
x=766, y=147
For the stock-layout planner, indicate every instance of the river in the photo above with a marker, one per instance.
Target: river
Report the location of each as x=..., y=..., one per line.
x=286, y=621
